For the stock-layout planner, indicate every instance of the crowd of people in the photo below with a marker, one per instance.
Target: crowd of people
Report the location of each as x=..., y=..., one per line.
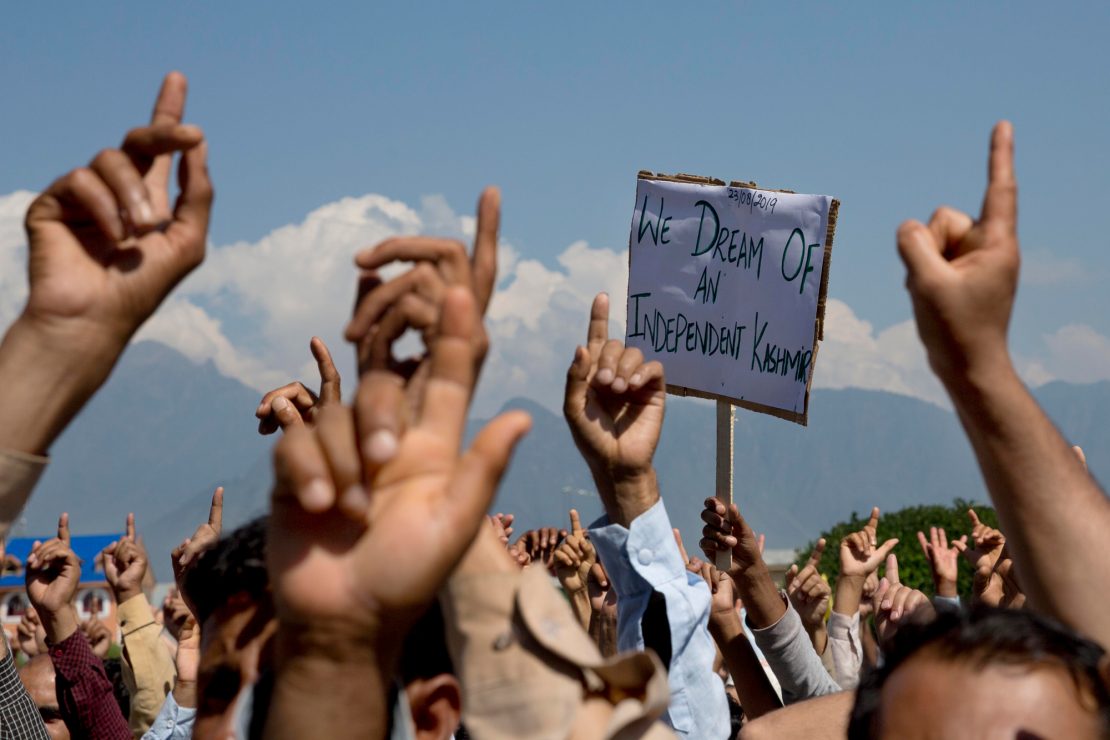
x=379, y=598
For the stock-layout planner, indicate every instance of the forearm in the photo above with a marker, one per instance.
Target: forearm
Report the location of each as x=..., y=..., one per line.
x=149, y=663
x=849, y=592
x=1044, y=498
x=580, y=604
x=754, y=689
x=341, y=690
x=85, y=694
x=46, y=376
x=185, y=693
x=760, y=595
x=819, y=636
x=603, y=631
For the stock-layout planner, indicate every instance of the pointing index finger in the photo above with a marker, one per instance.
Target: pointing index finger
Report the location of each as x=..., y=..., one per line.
x=1000, y=200
x=131, y=526
x=329, y=376
x=216, y=512
x=575, y=522
x=484, y=259
x=599, y=325
x=63, y=527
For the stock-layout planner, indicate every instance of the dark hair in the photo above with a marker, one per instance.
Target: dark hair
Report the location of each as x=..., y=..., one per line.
x=980, y=638
x=425, y=654
x=235, y=565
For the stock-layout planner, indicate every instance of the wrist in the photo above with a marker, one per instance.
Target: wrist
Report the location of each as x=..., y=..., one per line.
x=968, y=381
x=66, y=365
x=626, y=493
x=58, y=625
x=946, y=588
x=185, y=693
x=126, y=593
x=724, y=625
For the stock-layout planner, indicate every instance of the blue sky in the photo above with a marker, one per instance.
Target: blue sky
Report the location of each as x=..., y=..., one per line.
x=886, y=106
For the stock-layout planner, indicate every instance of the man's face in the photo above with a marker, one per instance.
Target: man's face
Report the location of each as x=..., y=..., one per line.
x=38, y=678
x=234, y=650
x=931, y=698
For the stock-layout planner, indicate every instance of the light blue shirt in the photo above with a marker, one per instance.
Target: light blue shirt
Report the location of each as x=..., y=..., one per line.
x=173, y=722
x=645, y=559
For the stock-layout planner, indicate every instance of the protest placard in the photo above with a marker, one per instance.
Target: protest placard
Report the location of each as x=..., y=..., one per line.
x=727, y=286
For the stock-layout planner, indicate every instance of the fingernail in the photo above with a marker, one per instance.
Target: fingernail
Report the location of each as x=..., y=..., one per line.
x=279, y=404
x=605, y=376
x=619, y=385
x=259, y=409
x=380, y=447
x=355, y=498
x=635, y=379
x=318, y=495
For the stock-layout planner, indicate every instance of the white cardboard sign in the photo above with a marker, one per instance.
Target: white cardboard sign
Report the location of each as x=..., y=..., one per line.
x=726, y=287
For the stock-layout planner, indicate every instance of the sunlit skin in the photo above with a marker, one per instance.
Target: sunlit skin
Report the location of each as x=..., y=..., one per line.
x=928, y=697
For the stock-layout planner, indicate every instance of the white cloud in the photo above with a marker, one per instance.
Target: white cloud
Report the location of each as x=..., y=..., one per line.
x=1076, y=354
x=252, y=307
x=854, y=356
x=1041, y=268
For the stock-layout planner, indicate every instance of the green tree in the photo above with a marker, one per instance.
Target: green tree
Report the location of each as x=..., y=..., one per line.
x=905, y=524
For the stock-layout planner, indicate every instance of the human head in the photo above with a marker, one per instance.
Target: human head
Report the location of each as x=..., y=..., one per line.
x=38, y=678
x=230, y=588
x=1000, y=672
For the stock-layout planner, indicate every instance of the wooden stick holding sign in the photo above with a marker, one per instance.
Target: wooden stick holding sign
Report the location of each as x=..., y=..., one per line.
x=726, y=288
x=725, y=440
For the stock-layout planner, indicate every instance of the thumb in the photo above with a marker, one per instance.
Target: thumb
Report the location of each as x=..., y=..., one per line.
x=482, y=466
x=892, y=568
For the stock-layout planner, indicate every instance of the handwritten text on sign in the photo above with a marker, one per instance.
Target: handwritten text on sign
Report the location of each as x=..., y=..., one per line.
x=723, y=288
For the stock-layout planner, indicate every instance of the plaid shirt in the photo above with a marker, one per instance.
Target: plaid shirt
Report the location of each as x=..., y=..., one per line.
x=85, y=694
x=19, y=717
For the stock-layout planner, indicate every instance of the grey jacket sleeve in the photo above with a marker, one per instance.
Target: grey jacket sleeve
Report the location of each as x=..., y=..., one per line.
x=791, y=656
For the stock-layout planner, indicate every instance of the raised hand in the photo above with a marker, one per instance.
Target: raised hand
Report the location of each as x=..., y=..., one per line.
x=860, y=553
x=385, y=310
x=333, y=569
x=575, y=557
x=125, y=564
x=98, y=635
x=614, y=406
x=808, y=591
x=30, y=634
x=293, y=403
x=174, y=612
x=503, y=526
x=104, y=250
x=726, y=530
x=943, y=559
x=962, y=274
x=895, y=604
x=987, y=544
x=53, y=574
x=540, y=545
x=206, y=536
x=187, y=662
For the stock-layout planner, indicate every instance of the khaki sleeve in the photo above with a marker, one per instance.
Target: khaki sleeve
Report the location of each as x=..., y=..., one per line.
x=148, y=667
